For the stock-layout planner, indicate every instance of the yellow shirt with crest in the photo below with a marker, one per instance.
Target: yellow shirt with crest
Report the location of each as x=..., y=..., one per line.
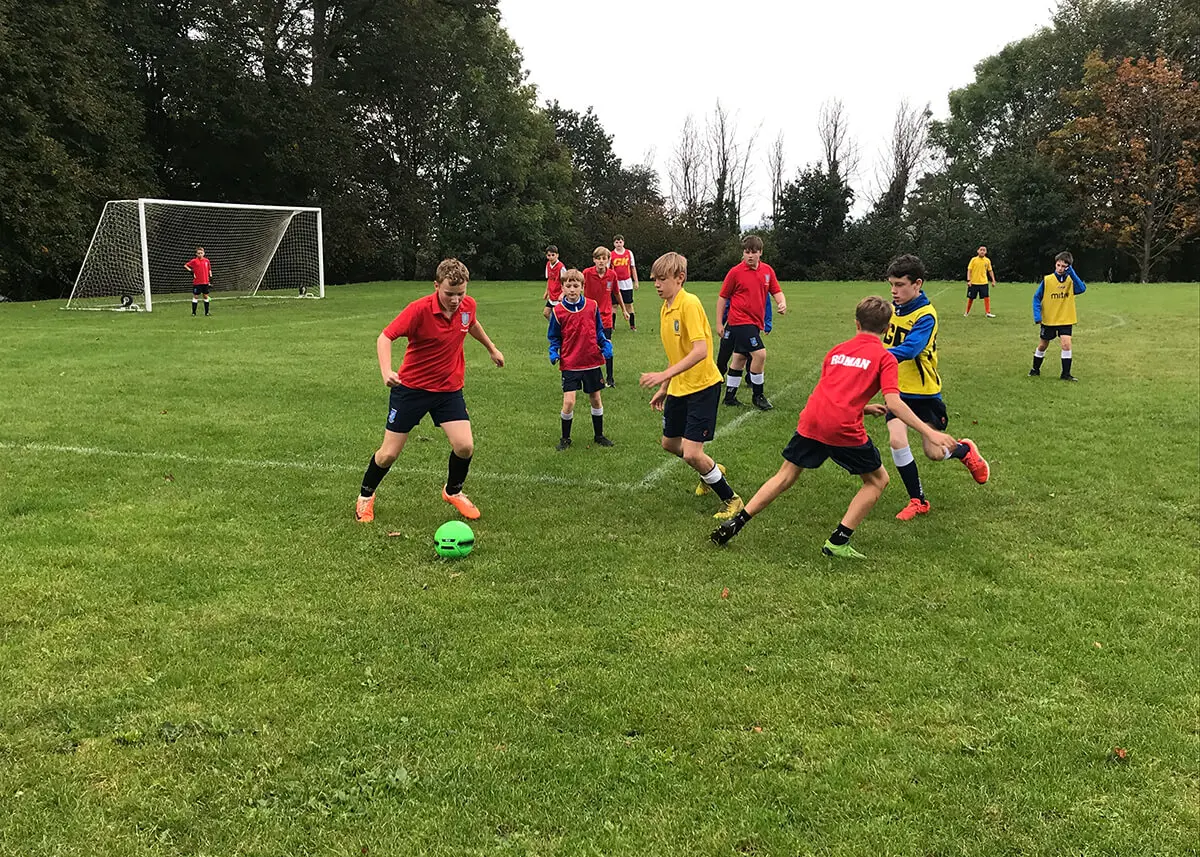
x=681, y=323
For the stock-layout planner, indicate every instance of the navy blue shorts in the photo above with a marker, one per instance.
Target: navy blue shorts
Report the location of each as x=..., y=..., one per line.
x=929, y=411
x=591, y=380
x=977, y=292
x=694, y=416
x=1051, y=331
x=810, y=454
x=200, y=290
x=407, y=406
x=745, y=338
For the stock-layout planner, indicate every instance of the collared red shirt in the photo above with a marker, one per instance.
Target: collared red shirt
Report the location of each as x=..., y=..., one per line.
x=433, y=358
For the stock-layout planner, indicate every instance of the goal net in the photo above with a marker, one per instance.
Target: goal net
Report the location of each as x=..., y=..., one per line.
x=140, y=246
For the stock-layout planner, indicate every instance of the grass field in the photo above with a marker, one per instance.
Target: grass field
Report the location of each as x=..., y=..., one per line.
x=202, y=653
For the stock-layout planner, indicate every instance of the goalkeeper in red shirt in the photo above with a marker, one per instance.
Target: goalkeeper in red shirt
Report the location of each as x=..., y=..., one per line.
x=201, y=269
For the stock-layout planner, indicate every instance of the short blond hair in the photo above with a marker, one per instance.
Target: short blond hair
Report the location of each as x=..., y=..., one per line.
x=669, y=265
x=601, y=253
x=572, y=275
x=454, y=271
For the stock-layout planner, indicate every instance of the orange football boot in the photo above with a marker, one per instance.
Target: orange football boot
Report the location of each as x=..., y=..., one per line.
x=462, y=503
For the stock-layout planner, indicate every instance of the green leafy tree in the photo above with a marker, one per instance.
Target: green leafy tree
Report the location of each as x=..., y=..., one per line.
x=1133, y=152
x=70, y=138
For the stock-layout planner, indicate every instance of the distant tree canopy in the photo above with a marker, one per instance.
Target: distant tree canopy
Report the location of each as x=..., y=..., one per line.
x=412, y=124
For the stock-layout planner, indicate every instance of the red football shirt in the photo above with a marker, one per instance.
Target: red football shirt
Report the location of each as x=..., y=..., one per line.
x=433, y=358
x=601, y=290
x=201, y=269
x=851, y=374
x=554, y=280
x=747, y=290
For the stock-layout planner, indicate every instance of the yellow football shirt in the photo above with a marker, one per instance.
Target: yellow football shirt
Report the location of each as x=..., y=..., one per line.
x=978, y=269
x=682, y=323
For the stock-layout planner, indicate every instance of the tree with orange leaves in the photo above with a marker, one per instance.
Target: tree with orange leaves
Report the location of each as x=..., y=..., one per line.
x=1133, y=150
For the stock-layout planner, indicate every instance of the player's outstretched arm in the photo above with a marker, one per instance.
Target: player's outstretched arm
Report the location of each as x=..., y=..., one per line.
x=477, y=333
x=896, y=405
x=383, y=350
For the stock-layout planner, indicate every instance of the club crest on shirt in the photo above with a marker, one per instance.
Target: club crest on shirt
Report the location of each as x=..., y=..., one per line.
x=466, y=319
x=677, y=325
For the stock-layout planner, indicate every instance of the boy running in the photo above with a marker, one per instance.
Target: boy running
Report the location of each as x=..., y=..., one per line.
x=1054, y=310
x=201, y=269
x=979, y=272
x=740, y=319
x=579, y=346
x=627, y=278
x=831, y=426
x=430, y=381
x=689, y=389
x=912, y=335
x=554, y=272
x=600, y=285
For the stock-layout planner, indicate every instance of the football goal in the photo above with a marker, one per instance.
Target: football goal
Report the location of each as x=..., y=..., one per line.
x=138, y=251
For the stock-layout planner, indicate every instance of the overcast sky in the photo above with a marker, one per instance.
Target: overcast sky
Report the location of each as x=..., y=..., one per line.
x=770, y=62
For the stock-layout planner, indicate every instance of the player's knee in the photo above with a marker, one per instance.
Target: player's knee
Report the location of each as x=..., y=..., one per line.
x=694, y=459
x=385, y=457
x=464, y=449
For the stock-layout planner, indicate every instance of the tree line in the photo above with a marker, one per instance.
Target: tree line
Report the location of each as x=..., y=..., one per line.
x=413, y=125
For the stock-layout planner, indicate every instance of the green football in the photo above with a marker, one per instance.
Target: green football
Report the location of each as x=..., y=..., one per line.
x=453, y=539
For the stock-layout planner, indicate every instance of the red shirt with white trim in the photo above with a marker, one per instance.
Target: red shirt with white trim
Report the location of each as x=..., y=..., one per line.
x=433, y=358
x=201, y=269
x=601, y=289
x=851, y=375
x=746, y=290
x=554, y=279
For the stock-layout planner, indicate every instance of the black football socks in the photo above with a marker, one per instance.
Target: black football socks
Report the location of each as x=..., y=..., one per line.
x=457, y=473
x=841, y=536
x=598, y=421
x=732, y=381
x=566, y=420
x=1066, y=364
x=907, y=467
x=373, y=477
x=1038, y=357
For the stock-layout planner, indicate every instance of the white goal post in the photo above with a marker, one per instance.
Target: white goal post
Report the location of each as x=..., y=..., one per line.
x=140, y=246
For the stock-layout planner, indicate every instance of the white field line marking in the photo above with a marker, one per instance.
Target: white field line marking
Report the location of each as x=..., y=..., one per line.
x=269, y=464
x=659, y=472
x=212, y=332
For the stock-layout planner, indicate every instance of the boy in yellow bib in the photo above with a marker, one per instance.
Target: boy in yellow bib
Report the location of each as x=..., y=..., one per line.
x=1054, y=310
x=912, y=339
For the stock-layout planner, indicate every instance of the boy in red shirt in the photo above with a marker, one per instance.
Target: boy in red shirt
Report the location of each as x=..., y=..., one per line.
x=554, y=272
x=430, y=381
x=600, y=285
x=579, y=346
x=741, y=319
x=201, y=269
x=831, y=426
x=627, y=276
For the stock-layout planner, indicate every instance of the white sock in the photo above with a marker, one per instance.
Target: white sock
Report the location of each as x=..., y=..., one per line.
x=569, y=416
x=734, y=381
x=902, y=456
x=713, y=477
x=1066, y=355
x=756, y=379
x=1037, y=352
x=597, y=412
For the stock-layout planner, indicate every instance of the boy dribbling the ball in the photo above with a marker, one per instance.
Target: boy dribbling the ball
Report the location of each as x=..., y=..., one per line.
x=429, y=381
x=831, y=426
x=579, y=346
